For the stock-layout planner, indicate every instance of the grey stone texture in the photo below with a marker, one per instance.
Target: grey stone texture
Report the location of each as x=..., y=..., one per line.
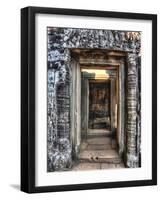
x=91, y=157
x=60, y=41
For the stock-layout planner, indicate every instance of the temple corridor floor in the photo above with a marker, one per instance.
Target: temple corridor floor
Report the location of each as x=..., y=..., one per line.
x=98, y=152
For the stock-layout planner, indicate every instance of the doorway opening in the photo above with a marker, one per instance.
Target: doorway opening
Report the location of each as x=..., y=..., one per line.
x=99, y=114
x=99, y=106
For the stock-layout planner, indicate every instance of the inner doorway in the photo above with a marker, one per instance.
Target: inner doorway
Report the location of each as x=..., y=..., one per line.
x=99, y=106
x=99, y=101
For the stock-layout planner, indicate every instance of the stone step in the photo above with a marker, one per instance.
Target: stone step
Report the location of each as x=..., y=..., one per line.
x=99, y=147
x=102, y=160
x=99, y=156
x=98, y=133
x=94, y=166
x=98, y=140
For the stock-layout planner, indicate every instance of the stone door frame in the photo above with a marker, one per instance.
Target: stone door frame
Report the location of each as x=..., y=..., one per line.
x=125, y=62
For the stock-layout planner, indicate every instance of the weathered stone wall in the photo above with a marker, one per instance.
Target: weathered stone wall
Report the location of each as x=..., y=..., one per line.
x=60, y=41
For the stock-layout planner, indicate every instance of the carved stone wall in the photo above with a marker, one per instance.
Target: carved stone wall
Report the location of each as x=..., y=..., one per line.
x=131, y=111
x=60, y=41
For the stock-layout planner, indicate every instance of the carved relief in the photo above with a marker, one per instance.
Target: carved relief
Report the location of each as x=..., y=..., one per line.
x=60, y=42
x=131, y=107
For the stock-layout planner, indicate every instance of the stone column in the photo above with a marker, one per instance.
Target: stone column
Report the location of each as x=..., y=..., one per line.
x=121, y=108
x=85, y=107
x=131, y=111
x=59, y=144
x=113, y=101
x=113, y=106
x=75, y=108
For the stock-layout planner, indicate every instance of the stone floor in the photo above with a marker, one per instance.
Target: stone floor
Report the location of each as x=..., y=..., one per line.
x=98, y=153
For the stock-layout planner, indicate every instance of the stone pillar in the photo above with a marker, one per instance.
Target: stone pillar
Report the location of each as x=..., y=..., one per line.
x=131, y=111
x=59, y=144
x=113, y=102
x=85, y=107
x=121, y=108
x=113, y=106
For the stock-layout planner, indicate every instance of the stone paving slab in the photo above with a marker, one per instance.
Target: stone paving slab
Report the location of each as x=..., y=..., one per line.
x=83, y=146
x=98, y=147
x=86, y=166
x=96, y=166
x=110, y=165
x=87, y=154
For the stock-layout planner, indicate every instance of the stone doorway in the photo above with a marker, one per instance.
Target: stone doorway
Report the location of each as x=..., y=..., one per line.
x=99, y=106
x=69, y=49
x=99, y=101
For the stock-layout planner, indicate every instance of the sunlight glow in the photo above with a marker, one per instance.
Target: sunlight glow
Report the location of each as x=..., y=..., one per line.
x=99, y=73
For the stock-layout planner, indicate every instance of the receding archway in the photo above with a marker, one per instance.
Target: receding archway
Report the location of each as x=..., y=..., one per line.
x=114, y=64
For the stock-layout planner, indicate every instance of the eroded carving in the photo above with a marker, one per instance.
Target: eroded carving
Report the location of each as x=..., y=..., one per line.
x=60, y=41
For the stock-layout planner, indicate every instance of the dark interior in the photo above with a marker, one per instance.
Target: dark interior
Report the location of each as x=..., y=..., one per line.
x=99, y=105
